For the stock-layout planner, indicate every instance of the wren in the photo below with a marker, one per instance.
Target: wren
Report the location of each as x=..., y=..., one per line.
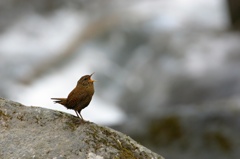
x=80, y=97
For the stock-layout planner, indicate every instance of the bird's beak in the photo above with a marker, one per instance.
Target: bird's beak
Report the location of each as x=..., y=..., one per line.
x=91, y=80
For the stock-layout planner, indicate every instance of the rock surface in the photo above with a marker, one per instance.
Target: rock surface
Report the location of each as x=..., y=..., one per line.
x=33, y=132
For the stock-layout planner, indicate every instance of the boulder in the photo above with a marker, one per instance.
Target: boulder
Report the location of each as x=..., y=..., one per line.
x=34, y=132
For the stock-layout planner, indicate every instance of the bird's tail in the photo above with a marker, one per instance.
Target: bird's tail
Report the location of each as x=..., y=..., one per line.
x=62, y=101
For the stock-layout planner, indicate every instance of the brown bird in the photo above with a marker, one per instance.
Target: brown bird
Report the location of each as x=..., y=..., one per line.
x=80, y=97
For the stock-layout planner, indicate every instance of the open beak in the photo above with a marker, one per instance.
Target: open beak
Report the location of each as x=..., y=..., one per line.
x=91, y=80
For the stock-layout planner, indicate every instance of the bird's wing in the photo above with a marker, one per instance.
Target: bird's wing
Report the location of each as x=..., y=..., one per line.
x=75, y=98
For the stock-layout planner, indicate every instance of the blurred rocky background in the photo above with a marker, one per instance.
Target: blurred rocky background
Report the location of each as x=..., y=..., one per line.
x=167, y=71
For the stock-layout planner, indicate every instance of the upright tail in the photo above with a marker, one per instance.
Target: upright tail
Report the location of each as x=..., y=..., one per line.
x=62, y=101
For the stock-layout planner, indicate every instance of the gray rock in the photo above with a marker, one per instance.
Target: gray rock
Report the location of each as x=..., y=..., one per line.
x=33, y=132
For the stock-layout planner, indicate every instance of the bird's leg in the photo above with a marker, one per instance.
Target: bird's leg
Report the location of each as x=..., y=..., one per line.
x=77, y=114
x=80, y=115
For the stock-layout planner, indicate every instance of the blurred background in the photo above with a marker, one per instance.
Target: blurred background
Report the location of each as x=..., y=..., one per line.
x=167, y=71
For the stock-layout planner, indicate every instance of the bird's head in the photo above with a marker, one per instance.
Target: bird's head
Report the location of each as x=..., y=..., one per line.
x=86, y=80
